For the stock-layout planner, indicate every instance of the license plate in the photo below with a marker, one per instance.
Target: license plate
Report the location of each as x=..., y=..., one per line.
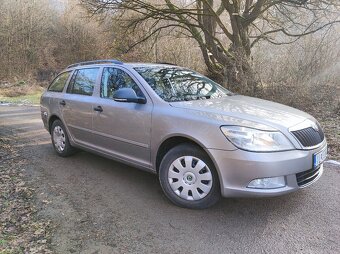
x=319, y=157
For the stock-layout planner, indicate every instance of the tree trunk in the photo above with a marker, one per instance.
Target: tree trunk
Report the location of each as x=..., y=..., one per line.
x=238, y=74
x=232, y=65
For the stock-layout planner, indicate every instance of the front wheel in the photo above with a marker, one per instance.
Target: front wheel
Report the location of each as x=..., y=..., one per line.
x=188, y=177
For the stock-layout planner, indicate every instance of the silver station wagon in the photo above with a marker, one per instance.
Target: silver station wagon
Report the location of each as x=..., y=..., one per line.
x=202, y=140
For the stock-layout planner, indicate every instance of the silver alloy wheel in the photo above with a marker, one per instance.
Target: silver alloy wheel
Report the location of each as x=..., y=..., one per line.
x=59, y=138
x=190, y=178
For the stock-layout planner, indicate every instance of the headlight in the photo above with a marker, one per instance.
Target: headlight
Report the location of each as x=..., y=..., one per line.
x=256, y=140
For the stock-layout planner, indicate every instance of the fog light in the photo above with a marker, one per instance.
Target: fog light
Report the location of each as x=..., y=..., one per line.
x=268, y=183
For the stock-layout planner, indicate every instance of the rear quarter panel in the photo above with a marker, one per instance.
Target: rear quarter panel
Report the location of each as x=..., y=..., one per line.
x=49, y=104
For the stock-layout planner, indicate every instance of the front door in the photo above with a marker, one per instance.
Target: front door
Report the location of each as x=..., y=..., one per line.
x=122, y=129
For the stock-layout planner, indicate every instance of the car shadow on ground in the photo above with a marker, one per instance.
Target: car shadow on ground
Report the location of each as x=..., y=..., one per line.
x=97, y=171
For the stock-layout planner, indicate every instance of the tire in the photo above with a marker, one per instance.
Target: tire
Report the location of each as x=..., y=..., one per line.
x=197, y=185
x=60, y=140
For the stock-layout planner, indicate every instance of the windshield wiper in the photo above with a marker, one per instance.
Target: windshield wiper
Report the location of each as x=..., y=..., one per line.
x=204, y=96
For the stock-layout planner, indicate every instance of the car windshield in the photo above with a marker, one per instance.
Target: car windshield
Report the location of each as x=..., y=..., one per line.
x=175, y=84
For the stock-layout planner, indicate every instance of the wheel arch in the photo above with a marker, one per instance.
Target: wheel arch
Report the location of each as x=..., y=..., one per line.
x=170, y=142
x=51, y=120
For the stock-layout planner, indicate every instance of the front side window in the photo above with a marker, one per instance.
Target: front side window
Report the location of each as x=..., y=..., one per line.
x=114, y=79
x=176, y=84
x=83, y=81
x=59, y=82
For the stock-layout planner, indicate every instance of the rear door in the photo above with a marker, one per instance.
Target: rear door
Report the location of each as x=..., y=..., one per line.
x=49, y=103
x=122, y=129
x=77, y=104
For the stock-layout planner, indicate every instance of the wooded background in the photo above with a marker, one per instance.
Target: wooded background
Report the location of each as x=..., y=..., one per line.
x=286, y=50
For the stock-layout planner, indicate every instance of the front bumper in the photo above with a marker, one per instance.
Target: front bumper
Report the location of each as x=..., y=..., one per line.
x=238, y=168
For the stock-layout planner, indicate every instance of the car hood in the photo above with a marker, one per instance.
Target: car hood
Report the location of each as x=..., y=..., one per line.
x=234, y=109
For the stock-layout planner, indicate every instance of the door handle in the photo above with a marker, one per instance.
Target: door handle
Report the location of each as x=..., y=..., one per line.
x=63, y=103
x=98, y=109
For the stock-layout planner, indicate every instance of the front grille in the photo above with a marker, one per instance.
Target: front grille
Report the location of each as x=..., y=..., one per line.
x=306, y=177
x=309, y=137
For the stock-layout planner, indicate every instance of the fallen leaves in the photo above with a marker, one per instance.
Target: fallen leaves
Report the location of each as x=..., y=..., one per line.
x=21, y=231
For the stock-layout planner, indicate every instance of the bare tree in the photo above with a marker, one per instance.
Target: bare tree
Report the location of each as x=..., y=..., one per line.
x=23, y=28
x=76, y=38
x=39, y=37
x=226, y=30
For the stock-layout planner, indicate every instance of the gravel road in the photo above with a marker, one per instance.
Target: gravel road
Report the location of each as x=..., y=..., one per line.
x=101, y=206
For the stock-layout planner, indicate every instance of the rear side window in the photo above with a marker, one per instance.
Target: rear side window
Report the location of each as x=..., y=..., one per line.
x=83, y=81
x=59, y=82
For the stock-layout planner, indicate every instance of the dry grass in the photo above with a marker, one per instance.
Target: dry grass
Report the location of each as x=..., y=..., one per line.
x=26, y=92
x=20, y=88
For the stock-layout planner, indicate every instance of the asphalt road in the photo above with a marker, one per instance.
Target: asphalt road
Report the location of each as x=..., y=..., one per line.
x=101, y=206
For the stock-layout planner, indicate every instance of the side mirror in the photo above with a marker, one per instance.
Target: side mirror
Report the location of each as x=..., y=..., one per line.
x=128, y=95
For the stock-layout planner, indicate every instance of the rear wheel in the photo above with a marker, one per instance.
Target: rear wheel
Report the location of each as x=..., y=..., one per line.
x=188, y=177
x=60, y=139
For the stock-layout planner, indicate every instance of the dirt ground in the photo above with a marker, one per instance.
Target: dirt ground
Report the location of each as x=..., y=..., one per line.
x=89, y=204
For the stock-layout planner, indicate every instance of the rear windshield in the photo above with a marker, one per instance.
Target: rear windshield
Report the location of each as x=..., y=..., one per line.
x=176, y=84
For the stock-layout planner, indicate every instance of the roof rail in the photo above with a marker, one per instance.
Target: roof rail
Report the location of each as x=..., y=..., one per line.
x=95, y=62
x=166, y=63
